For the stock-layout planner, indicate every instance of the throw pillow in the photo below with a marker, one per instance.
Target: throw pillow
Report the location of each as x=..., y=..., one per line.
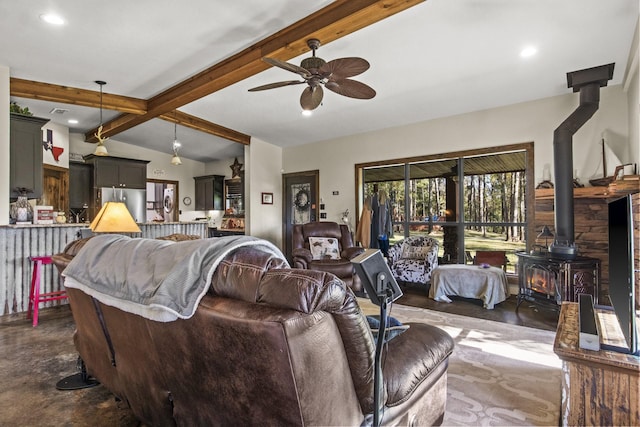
x=324, y=248
x=415, y=252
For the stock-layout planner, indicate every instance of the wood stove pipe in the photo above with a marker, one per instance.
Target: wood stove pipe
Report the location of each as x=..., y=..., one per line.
x=588, y=82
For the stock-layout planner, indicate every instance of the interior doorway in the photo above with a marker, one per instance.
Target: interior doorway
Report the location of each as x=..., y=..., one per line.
x=162, y=201
x=300, y=203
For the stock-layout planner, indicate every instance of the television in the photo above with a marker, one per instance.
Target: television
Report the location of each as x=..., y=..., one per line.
x=621, y=271
x=376, y=277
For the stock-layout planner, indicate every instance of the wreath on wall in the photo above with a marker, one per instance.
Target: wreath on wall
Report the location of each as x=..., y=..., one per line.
x=302, y=200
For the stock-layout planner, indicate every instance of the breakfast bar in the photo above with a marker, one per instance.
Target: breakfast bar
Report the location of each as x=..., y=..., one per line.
x=19, y=242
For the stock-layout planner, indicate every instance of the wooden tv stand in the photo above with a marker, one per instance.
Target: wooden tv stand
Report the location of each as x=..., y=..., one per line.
x=599, y=388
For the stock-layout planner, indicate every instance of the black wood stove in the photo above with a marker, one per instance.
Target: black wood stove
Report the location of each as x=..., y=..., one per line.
x=543, y=278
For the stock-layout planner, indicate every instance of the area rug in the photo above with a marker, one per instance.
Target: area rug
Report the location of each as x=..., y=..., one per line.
x=499, y=374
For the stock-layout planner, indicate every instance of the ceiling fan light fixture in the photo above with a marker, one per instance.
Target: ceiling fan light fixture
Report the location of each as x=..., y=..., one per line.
x=316, y=73
x=307, y=113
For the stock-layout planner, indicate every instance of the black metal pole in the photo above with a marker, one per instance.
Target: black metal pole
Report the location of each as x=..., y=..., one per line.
x=378, y=382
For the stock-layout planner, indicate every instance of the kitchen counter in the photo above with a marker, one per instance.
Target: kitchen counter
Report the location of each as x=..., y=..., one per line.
x=20, y=241
x=219, y=232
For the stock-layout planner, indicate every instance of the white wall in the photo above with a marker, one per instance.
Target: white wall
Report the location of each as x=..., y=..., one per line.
x=263, y=165
x=5, y=193
x=531, y=121
x=633, y=94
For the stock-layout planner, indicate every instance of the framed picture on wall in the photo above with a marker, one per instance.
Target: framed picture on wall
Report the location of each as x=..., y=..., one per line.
x=267, y=198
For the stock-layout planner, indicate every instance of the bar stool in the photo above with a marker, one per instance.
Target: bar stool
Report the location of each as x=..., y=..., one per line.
x=35, y=297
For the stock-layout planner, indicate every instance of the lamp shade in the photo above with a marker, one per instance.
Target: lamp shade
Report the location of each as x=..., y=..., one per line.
x=546, y=232
x=101, y=150
x=114, y=217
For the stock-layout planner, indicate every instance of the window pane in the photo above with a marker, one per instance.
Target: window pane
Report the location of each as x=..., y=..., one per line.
x=428, y=190
x=491, y=241
x=494, y=197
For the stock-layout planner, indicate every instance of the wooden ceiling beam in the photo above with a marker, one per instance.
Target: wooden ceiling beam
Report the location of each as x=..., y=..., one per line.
x=336, y=20
x=193, y=122
x=88, y=98
x=71, y=95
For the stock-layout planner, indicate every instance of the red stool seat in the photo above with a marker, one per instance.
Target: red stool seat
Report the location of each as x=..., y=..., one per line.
x=35, y=297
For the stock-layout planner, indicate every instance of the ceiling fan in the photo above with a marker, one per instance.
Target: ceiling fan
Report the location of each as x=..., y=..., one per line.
x=316, y=72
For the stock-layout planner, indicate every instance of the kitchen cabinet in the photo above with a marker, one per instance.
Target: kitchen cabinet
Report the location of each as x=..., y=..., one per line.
x=80, y=184
x=117, y=172
x=25, y=154
x=209, y=192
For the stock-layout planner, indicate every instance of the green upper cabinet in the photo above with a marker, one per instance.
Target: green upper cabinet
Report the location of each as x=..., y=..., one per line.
x=25, y=155
x=209, y=192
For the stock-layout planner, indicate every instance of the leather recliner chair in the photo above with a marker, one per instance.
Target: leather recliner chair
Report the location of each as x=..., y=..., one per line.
x=267, y=345
x=340, y=265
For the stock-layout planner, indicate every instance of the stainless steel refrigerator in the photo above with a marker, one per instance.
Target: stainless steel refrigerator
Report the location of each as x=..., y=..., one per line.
x=134, y=199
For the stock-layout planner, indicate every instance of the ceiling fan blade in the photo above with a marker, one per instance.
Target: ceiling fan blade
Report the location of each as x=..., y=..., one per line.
x=344, y=67
x=287, y=66
x=311, y=97
x=351, y=88
x=277, y=84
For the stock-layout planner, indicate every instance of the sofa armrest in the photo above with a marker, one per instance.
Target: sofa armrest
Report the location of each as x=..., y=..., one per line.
x=413, y=357
x=352, y=252
x=301, y=257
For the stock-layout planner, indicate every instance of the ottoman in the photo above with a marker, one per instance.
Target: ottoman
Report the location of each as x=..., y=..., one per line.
x=469, y=281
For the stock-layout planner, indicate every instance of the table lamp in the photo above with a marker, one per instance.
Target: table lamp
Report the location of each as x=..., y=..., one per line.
x=546, y=233
x=114, y=217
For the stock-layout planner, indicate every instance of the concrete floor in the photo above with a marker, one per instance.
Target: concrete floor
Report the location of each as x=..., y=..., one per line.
x=33, y=360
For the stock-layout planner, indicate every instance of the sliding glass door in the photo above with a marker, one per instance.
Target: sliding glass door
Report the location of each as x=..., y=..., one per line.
x=467, y=201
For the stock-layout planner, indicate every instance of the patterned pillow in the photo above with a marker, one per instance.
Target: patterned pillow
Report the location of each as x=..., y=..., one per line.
x=415, y=252
x=324, y=248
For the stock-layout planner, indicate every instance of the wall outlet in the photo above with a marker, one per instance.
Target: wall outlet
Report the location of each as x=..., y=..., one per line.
x=323, y=215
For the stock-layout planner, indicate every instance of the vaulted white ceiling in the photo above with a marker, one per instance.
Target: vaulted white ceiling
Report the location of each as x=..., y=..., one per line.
x=436, y=59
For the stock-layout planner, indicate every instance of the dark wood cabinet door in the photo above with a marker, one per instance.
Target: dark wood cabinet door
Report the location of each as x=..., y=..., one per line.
x=80, y=184
x=132, y=174
x=218, y=193
x=200, y=194
x=106, y=173
x=209, y=192
x=118, y=172
x=25, y=153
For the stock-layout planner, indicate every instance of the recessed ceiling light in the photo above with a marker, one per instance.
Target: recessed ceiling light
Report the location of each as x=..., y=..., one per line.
x=72, y=121
x=52, y=18
x=528, y=51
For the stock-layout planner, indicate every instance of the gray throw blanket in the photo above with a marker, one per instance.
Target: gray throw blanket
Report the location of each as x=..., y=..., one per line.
x=160, y=280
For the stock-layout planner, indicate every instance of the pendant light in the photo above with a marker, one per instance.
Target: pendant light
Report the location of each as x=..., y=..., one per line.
x=175, y=160
x=101, y=150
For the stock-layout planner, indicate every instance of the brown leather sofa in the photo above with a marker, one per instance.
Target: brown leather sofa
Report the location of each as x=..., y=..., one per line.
x=268, y=345
x=342, y=267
